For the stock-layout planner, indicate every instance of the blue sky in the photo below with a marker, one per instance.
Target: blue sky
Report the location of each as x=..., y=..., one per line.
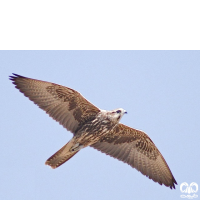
x=160, y=91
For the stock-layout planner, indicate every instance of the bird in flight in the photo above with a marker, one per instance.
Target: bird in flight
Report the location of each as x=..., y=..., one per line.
x=94, y=127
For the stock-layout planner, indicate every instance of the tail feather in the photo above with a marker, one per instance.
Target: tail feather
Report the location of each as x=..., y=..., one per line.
x=61, y=156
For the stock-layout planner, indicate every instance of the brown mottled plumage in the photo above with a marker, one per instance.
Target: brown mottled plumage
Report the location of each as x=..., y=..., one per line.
x=94, y=127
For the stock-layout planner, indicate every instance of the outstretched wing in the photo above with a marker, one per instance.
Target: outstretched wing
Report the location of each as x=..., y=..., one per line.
x=138, y=150
x=63, y=104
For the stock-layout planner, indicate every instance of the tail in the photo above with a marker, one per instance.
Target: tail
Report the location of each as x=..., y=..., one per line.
x=61, y=156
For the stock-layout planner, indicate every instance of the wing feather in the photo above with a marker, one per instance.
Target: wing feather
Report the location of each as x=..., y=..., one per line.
x=135, y=148
x=63, y=104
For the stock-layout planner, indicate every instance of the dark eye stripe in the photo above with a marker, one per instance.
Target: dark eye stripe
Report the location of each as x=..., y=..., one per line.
x=118, y=111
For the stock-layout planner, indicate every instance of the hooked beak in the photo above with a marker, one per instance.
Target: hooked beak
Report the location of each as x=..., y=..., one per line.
x=125, y=112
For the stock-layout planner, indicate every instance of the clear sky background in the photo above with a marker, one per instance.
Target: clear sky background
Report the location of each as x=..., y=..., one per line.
x=159, y=89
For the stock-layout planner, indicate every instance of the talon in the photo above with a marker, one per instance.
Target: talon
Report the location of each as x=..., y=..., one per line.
x=76, y=147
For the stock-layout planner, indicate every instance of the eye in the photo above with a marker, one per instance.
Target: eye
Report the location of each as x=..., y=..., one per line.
x=118, y=111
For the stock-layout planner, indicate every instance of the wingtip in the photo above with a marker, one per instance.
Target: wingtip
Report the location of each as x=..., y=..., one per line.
x=12, y=78
x=173, y=184
x=16, y=76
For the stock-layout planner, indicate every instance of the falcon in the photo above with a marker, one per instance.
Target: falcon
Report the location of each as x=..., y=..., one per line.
x=96, y=128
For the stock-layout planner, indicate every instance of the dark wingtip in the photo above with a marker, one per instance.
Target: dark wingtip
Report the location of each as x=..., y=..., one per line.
x=173, y=184
x=12, y=78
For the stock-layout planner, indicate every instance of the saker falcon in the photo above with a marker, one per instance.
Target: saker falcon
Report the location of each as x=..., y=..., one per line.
x=94, y=127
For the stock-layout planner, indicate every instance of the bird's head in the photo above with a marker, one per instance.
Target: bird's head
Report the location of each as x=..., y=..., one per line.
x=117, y=114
